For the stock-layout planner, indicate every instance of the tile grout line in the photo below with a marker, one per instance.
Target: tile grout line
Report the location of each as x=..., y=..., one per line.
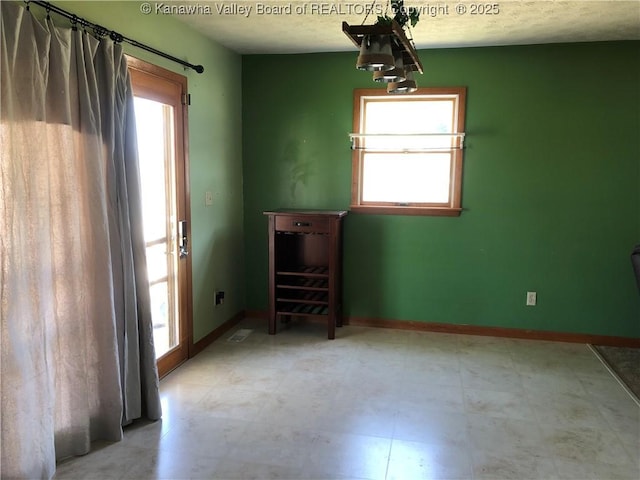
x=614, y=374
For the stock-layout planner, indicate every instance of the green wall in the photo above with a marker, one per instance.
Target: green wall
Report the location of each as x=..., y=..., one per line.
x=550, y=189
x=215, y=151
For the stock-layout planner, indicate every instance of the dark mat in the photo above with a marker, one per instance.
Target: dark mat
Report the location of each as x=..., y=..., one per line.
x=625, y=362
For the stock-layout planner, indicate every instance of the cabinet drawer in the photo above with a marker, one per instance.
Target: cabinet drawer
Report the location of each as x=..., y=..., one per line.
x=288, y=223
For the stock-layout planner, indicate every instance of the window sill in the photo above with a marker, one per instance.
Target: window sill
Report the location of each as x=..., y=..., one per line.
x=399, y=210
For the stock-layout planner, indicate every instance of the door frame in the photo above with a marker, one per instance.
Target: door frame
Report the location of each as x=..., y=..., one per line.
x=145, y=74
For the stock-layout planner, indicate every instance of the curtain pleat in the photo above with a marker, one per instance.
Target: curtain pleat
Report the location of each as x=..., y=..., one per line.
x=77, y=346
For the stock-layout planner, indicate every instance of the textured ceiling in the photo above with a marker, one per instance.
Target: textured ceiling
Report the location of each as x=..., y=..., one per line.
x=299, y=26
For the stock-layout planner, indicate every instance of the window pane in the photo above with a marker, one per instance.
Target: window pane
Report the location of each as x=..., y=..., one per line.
x=406, y=178
x=409, y=117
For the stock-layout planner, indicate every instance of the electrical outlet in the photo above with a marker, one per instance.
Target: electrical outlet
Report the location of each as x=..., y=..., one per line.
x=532, y=298
x=219, y=297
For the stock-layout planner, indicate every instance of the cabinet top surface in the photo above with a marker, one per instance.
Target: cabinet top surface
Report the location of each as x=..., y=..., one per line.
x=292, y=212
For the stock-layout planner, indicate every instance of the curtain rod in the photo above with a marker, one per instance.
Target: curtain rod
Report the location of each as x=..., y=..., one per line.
x=115, y=36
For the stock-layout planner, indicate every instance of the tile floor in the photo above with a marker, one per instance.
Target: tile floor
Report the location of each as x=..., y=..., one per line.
x=380, y=404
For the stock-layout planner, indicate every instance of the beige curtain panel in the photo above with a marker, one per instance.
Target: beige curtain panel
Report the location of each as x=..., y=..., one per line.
x=78, y=360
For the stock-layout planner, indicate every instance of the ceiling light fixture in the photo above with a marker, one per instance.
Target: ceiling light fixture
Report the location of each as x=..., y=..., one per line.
x=386, y=49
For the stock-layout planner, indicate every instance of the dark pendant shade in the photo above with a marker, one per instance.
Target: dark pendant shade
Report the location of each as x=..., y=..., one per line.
x=396, y=74
x=407, y=86
x=375, y=54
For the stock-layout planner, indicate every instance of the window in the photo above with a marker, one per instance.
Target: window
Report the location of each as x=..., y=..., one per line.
x=407, y=151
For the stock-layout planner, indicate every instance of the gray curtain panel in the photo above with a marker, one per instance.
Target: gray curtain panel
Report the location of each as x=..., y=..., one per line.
x=78, y=359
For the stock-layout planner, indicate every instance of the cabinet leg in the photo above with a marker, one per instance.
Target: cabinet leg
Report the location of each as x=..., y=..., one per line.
x=332, y=327
x=272, y=325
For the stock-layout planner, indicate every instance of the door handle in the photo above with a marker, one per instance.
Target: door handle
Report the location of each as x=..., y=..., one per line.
x=183, y=239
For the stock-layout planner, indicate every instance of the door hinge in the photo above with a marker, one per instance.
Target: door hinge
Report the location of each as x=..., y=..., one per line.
x=186, y=99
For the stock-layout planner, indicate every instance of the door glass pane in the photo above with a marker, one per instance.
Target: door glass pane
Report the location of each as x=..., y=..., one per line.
x=154, y=123
x=160, y=309
x=157, y=262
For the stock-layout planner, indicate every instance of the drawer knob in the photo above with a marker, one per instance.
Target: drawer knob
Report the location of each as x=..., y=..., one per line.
x=301, y=224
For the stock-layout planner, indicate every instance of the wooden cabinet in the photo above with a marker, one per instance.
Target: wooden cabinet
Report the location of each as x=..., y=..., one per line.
x=305, y=266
